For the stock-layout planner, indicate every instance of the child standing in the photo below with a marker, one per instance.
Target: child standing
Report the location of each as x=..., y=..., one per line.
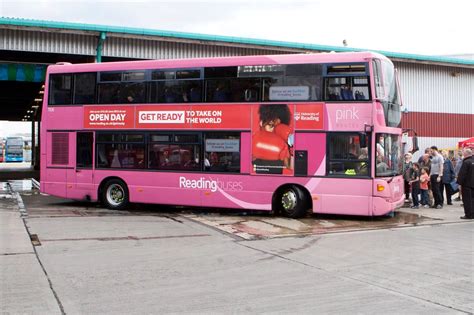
x=424, y=179
x=415, y=185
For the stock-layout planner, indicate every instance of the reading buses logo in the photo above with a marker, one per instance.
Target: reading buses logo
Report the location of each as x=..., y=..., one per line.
x=198, y=183
x=212, y=185
x=161, y=117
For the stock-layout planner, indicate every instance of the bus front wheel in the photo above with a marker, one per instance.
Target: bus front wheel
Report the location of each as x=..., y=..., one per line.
x=292, y=202
x=115, y=194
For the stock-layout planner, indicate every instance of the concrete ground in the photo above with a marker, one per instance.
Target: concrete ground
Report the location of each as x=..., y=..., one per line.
x=24, y=286
x=153, y=259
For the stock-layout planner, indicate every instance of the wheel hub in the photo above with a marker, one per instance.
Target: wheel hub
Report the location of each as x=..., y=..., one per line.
x=288, y=200
x=115, y=194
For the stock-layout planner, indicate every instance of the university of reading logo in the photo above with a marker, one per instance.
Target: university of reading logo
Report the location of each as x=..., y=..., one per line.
x=308, y=116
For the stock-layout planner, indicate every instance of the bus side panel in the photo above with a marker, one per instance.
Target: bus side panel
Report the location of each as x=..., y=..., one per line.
x=212, y=190
x=53, y=182
x=315, y=146
x=346, y=196
x=348, y=204
x=83, y=185
x=157, y=187
x=245, y=154
x=54, y=179
x=242, y=191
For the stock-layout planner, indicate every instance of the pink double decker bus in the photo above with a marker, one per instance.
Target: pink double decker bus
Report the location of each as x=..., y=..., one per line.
x=284, y=133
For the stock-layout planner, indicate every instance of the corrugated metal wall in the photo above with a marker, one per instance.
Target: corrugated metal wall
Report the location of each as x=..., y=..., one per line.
x=438, y=89
x=439, y=124
x=156, y=49
x=47, y=42
x=435, y=98
x=124, y=47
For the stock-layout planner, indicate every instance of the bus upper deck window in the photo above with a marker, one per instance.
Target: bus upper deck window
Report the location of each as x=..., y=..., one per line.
x=60, y=89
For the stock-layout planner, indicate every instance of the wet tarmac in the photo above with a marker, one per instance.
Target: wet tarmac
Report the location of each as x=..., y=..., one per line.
x=239, y=224
x=257, y=227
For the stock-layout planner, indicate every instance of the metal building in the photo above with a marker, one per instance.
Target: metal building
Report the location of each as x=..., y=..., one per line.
x=437, y=91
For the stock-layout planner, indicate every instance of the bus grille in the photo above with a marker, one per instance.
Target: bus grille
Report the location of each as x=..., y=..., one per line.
x=60, y=154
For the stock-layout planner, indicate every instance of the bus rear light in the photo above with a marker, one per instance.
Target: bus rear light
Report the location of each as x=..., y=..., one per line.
x=380, y=187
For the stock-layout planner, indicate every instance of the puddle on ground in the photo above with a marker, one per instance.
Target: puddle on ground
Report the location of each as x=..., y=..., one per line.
x=256, y=227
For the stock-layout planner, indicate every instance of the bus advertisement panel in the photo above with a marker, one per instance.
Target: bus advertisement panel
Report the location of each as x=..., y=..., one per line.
x=233, y=116
x=272, y=125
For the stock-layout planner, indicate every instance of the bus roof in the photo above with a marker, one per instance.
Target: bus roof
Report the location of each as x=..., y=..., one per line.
x=218, y=62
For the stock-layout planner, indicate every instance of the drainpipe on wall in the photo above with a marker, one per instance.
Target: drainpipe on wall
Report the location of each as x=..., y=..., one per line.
x=100, y=43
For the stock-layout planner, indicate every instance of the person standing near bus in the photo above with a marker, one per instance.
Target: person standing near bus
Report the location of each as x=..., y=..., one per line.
x=466, y=181
x=415, y=185
x=407, y=169
x=448, y=177
x=426, y=163
x=424, y=180
x=437, y=162
x=427, y=152
x=457, y=168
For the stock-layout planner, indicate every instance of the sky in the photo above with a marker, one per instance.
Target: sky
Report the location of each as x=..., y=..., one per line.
x=14, y=128
x=409, y=26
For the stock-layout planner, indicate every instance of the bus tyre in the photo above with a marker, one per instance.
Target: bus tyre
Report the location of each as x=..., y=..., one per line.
x=292, y=202
x=115, y=194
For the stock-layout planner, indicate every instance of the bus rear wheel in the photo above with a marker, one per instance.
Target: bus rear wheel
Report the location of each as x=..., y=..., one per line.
x=115, y=194
x=292, y=202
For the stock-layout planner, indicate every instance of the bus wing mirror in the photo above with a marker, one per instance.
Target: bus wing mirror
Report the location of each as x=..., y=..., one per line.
x=414, y=139
x=414, y=144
